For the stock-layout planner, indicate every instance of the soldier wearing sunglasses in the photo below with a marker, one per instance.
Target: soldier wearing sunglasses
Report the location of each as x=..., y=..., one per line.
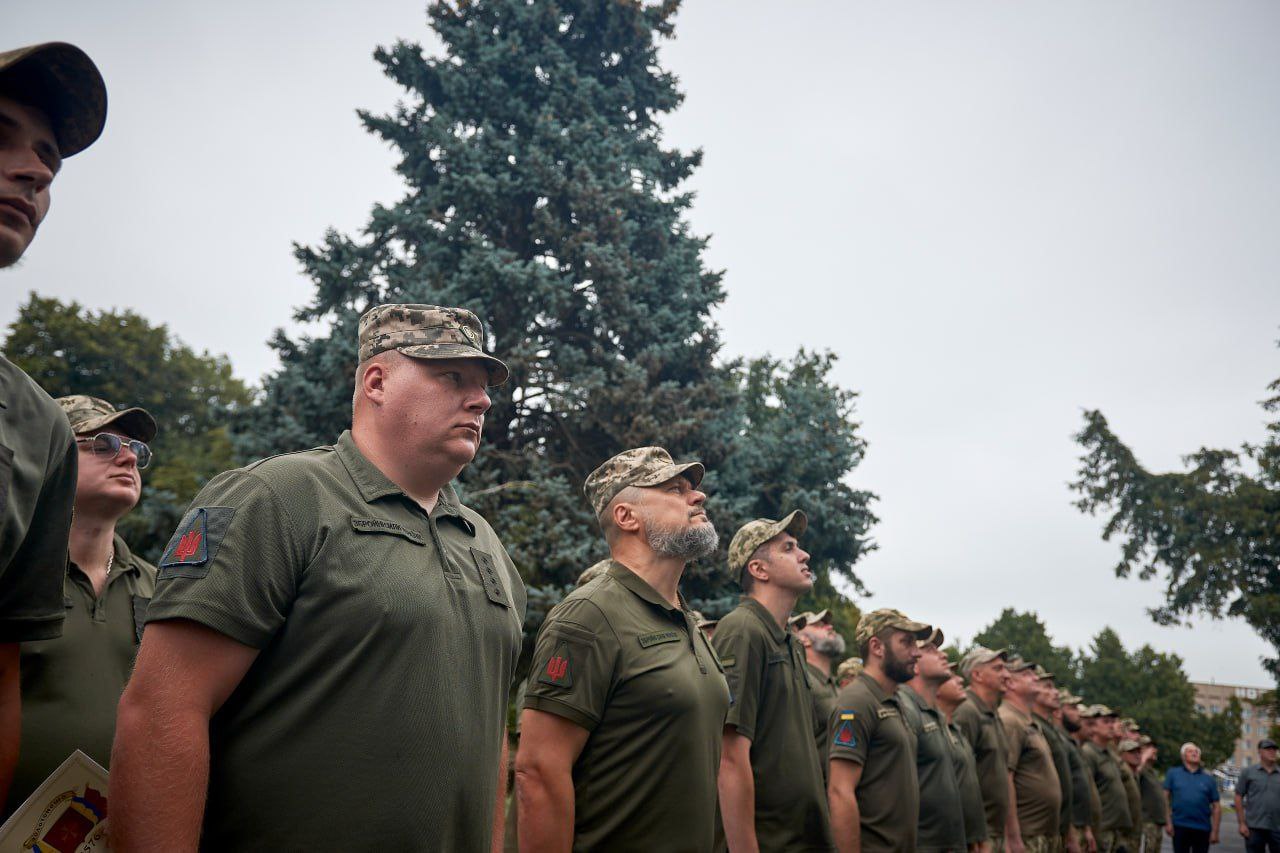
x=71, y=685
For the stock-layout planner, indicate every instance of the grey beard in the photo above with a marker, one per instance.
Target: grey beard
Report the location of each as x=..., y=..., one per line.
x=685, y=543
x=832, y=647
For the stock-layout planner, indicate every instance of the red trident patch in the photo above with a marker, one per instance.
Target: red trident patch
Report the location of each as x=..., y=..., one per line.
x=558, y=671
x=187, y=545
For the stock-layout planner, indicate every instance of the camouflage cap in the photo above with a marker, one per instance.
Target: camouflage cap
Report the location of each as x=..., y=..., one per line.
x=935, y=638
x=90, y=414
x=590, y=573
x=1018, y=664
x=848, y=669
x=1130, y=723
x=755, y=533
x=1096, y=711
x=427, y=331
x=1128, y=744
x=61, y=80
x=1066, y=697
x=1043, y=674
x=979, y=655
x=878, y=620
x=640, y=466
x=1146, y=740
x=800, y=621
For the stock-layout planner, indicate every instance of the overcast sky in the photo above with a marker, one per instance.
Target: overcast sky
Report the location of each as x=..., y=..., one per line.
x=997, y=215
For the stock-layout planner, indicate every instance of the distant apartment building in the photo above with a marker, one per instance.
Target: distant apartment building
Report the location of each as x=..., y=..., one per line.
x=1255, y=724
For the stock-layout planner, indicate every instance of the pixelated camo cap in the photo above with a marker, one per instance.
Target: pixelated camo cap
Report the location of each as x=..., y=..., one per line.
x=61, y=80
x=641, y=466
x=979, y=655
x=1128, y=744
x=1097, y=711
x=427, y=331
x=756, y=532
x=90, y=414
x=803, y=620
x=878, y=620
x=1066, y=697
x=1017, y=664
x=935, y=638
x=848, y=669
x=1043, y=674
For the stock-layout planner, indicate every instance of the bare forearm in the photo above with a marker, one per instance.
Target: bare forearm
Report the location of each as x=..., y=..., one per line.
x=154, y=753
x=1217, y=817
x=738, y=807
x=846, y=821
x=10, y=714
x=546, y=810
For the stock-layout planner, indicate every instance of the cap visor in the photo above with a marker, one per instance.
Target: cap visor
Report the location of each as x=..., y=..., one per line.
x=135, y=423
x=498, y=371
x=75, y=96
x=693, y=471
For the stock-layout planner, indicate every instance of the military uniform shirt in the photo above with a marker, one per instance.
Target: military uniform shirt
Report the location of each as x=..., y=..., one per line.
x=1153, y=796
x=975, y=819
x=941, y=822
x=1111, y=794
x=773, y=708
x=622, y=662
x=868, y=729
x=373, y=715
x=1133, y=796
x=985, y=734
x=37, y=491
x=825, y=691
x=1035, y=782
x=71, y=685
x=1084, y=796
x=1057, y=739
x=1261, y=793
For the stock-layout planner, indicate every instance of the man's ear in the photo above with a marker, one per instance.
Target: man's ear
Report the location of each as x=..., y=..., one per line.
x=758, y=569
x=372, y=380
x=625, y=517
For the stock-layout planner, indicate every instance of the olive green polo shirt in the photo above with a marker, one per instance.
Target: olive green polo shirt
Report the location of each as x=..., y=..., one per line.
x=37, y=492
x=975, y=819
x=825, y=690
x=982, y=728
x=1132, y=795
x=1112, y=798
x=941, y=822
x=631, y=668
x=387, y=640
x=868, y=729
x=773, y=708
x=1035, y=781
x=1057, y=739
x=71, y=685
x=1084, y=796
x=1152, y=790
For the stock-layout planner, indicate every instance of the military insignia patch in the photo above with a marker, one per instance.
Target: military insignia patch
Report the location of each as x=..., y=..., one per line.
x=844, y=735
x=193, y=547
x=558, y=671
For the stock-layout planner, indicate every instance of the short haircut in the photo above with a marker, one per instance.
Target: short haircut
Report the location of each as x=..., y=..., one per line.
x=629, y=494
x=1188, y=745
x=864, y=650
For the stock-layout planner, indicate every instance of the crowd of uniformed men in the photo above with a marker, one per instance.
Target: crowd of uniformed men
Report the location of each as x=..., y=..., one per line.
x=332, y=636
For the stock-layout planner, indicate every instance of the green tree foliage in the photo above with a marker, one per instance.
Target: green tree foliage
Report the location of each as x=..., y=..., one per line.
x=122, y=358
x=541, y=196
x=1151, y=687
x=1024, y=634
x=1214, y=529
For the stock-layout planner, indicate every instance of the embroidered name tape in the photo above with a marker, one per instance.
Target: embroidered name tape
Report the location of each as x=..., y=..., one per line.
x=658, y=637
x=381, y=525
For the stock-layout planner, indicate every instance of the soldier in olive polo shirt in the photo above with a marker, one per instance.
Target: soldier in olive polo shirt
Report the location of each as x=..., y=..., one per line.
x=874, y=789
x=1045, y=711
x=988, y=676
x=1114, y=821
x=1130, y=761
x=53, y=104
x=771, y=792
x=823, y=646
x=1084, y=794
x=622, y=718
x=1037, y=796
x=1152, y=789
x=333, y=636
x=941, y=823
x=70, y=686
x=950, y=697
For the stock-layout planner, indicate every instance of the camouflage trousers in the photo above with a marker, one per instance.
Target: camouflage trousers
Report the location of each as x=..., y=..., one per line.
x=997, y=842
x=1152, y=837
x=1115, y=841
x=1040, y=843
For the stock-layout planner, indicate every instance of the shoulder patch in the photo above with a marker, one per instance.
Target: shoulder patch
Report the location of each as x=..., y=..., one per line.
x=196, y=542
x=558, y=672
x=658, y=638
x=844, y=735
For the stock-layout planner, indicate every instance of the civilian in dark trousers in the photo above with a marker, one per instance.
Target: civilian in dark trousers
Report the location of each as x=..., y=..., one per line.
x=1258, y=801
x=1194, y=810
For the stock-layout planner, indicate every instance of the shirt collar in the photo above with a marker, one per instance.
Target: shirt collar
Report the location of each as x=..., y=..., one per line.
x=876, y=690
x=124, y=557
x=640, y=587
x=910, y=692
x=978, y=703
x=373, y=484
x=776, y=631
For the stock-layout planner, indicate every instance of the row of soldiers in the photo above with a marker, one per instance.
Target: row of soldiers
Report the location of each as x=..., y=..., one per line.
x=331, y=635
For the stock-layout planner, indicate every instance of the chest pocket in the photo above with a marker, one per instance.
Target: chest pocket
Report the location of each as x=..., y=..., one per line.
x=140, y=605
x=493, y=588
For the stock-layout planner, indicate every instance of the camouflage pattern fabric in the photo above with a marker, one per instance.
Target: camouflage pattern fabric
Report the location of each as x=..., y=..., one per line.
x=640, y=466
x=427, y=331
x=878, y=620
x=755, y=533
x=90, y=414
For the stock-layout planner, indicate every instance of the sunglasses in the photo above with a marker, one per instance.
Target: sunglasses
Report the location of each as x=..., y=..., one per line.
x=107, y=445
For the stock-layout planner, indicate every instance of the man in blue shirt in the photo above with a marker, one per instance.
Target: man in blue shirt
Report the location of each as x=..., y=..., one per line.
x=1192, y=796
x=1258, y=802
